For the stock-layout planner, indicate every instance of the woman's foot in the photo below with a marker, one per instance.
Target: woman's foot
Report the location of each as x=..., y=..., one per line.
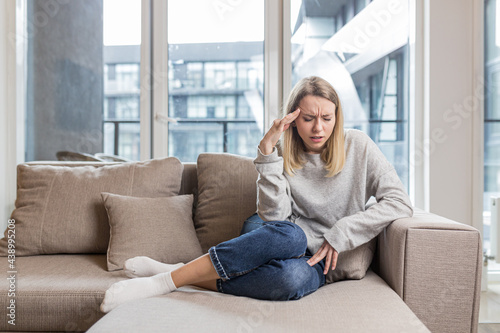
x=129, y=290
x=145, y=266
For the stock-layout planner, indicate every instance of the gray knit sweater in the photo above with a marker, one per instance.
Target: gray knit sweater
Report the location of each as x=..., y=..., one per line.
x=333, y=208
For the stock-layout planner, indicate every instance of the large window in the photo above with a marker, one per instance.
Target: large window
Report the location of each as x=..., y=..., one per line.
x=86, y=90
x=361, y=48
x=216, y=77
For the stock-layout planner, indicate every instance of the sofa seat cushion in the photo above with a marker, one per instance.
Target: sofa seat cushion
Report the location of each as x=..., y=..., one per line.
x=56, y=292
x=367, y=305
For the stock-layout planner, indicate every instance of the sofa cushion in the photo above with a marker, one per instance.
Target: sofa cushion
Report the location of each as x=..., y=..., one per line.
x=56, y=292
x=59, y=208
x=227, y=195
x=159, y=228
x=354, y=263
x=367, y=305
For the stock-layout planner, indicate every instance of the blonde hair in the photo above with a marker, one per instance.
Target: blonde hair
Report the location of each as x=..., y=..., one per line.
x=291, y=144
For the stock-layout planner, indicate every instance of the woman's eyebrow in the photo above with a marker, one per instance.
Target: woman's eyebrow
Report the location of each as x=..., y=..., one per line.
x=305, y=113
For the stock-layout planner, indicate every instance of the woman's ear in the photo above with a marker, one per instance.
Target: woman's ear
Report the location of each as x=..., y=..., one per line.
x=293, y=124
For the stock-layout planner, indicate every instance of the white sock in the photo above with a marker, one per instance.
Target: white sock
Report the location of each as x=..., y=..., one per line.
x=145, y=266
x=128, y=290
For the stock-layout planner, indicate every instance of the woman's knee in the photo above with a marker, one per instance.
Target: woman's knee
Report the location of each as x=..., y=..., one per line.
x=290, y=232
x=285, y=228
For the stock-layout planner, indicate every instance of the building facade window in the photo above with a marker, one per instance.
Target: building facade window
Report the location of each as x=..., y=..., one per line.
x=121, y=116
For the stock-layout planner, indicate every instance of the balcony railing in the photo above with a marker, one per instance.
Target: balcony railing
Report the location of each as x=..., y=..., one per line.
x=116, y=123
x=224, y=122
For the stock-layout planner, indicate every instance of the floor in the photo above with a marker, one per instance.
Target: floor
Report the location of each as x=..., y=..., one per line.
x=489, y=311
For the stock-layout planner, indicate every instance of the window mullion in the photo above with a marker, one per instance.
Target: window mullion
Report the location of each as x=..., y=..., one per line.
x=287, y=46
x=159, y=78
x=146, y=80
x=273, y=61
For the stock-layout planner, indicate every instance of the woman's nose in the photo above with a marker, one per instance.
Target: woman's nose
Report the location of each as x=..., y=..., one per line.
x=317, y=126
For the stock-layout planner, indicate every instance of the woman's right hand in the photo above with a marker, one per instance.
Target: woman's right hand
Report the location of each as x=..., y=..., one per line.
x=272, y=136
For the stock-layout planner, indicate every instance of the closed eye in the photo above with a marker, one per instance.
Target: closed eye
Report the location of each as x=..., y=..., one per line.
x=307, y=119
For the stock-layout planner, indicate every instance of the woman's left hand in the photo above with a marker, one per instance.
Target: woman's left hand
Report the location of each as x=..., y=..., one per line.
x=326, y=250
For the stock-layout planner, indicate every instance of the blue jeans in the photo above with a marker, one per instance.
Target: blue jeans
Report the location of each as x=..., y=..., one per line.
x=268, y=261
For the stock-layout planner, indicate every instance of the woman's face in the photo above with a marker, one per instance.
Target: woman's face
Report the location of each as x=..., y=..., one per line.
x=315, y=122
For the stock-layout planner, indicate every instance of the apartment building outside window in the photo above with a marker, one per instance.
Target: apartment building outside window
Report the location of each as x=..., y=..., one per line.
x=215, y=98
x=121, y=110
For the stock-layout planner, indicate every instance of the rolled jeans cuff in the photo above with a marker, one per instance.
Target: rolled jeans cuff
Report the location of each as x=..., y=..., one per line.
x=217, y=265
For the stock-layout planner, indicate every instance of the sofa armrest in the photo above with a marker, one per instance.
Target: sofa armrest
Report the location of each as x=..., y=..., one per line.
x=434, y=264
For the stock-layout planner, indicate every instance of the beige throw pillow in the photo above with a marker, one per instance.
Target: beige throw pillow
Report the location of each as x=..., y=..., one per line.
x=159, y=228
x=352, y=265
x=227, y=195
x=59, y=207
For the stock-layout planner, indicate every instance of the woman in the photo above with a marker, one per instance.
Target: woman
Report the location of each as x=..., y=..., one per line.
x=314, y=198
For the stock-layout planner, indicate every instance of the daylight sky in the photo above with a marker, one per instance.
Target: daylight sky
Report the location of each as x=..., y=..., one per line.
x=189, y=21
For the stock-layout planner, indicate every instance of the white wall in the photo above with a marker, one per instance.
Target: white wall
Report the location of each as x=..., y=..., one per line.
x=453, y=87
x=8, y=142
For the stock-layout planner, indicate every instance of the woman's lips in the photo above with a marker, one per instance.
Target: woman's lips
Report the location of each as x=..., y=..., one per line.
x=316, y=138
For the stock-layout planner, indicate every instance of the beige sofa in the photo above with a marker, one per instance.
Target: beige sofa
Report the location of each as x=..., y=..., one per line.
x=425, y=273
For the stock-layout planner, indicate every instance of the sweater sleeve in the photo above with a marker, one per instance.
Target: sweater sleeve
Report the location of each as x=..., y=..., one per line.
x=393, y=203
x=273, y=190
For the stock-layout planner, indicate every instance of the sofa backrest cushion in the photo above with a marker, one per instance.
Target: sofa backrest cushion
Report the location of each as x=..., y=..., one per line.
x=227, y=195
x=189, y=183
x=59, y=207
